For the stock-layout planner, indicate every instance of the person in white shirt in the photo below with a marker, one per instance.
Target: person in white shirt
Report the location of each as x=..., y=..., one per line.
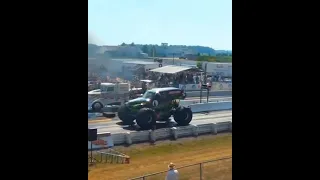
x=172, y=173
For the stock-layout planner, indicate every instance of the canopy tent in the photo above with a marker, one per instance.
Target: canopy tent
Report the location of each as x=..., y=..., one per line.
x=139, y=62
x=197, y=70
x=146, y=80
x=171, y=69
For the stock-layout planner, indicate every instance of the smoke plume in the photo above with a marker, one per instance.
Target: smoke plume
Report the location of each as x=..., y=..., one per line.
x=93, y=39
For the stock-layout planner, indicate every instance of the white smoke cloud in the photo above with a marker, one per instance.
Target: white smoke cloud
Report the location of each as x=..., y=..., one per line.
x=93, y=39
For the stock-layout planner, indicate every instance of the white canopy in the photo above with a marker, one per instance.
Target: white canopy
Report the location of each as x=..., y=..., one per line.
x=171, y=69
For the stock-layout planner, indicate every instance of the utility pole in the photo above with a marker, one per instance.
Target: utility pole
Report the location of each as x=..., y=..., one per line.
x=208, y=93
x=204, y=81
x=173, y=58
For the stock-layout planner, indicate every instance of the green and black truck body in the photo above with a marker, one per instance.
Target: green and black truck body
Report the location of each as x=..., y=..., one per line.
x=157, y=104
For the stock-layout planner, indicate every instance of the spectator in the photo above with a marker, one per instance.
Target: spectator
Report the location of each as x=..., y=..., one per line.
x=172, y=173
x=197, y=79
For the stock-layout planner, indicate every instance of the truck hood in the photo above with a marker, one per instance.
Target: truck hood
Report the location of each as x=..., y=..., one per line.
x=94, y=93
x=137, y=101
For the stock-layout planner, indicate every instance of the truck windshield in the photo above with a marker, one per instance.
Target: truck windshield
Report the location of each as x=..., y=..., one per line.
x=148, y=94
x=103, y=88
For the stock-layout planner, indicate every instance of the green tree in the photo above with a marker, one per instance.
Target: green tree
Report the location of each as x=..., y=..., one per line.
x=132, y=44
x=92, y=50
x=145, y=49
x=123, y=44
x=207, y=58
x=224, y=59
x=199, y=64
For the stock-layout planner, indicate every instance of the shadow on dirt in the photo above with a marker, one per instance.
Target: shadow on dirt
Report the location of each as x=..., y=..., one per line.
x=159, y=125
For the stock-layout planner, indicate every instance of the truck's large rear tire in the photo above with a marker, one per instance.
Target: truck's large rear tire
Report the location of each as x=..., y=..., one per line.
x=146, y=118
x=123, y=114
x=183, y=116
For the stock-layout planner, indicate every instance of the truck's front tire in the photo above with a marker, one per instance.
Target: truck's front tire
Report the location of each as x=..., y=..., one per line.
x=109, y=115
x=124, y=116
x=183, y=116
x=184, y=95
x=146, y=118
x=96, y=107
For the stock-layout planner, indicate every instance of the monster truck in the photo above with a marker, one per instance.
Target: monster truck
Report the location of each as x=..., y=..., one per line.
x=157, y=104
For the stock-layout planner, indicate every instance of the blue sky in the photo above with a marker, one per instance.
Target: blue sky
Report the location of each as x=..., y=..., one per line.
x=177, y=22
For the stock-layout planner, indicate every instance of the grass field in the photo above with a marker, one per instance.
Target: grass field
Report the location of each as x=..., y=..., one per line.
x=224, y=59
x=146, y=158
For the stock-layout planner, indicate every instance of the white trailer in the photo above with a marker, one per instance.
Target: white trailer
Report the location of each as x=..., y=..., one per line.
x=223, y=69
x=108, y=94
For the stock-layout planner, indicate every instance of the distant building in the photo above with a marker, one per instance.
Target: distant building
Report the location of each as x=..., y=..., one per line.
x=143, y=55
x=110, y=50
x=164, y=44
x=129, y=51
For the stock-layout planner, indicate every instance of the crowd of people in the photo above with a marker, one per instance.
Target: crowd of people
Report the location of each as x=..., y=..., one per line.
x=169, y=79
x=96, y=78
x=160, y=80
x=179, y=78
x=105, y=77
